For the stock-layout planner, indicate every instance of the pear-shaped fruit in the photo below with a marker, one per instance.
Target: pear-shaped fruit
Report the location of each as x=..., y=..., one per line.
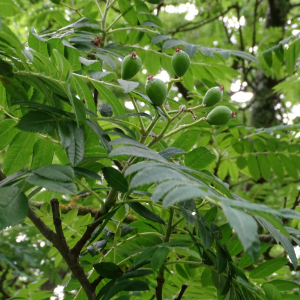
x=213, y=96
x=180, y=62
x=154, y=1
x=156, y=90
x=131, y=64
x=220, y=115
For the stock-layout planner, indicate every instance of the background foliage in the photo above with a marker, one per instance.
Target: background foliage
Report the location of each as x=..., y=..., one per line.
x=208, y=212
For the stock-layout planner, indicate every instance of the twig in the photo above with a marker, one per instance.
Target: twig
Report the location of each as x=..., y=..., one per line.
x=85, y=237
x=2, y=278
x=56, y=240
x=74, y=9
x=183, y=288
x=181, y=28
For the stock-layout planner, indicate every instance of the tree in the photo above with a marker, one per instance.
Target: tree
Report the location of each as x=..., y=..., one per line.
x=165, y=202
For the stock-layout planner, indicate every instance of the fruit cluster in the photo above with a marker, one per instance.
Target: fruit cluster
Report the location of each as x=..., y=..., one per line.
x=157, y=90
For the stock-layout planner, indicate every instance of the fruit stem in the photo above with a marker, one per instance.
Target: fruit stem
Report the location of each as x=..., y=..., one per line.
x=172, y=81
x=120, y=121
x=192, y=108
x=139, y=117
x=132, y=28
x=72, y=8
x=114, y=21
x=99, y=9
x=149, y=129
x=166, y=113
x=181, y=127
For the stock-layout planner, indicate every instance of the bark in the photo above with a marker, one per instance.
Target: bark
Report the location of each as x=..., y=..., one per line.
x=263, y=112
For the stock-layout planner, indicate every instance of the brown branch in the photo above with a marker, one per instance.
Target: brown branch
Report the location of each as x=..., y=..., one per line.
x=57, y=239
x=96, y=282
x=254, y=25
x=41, y=226
x=183, y=288
x=57, y=223
x=2, y=279
x=159, y=288
x=86, y=236
x=182, y=29
x=82, y=210
x=96, y=97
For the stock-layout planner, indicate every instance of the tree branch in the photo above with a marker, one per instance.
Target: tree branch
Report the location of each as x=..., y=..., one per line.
x=56, y=240
x=2, y=278
x=182, y=28
x=183, y=288
x=86, y=236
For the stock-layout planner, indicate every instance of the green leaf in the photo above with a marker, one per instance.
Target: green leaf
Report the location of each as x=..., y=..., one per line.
x=135, y=273
x=279, y=52
x=128, y=12
x=268, y=267
x=115, y=179
x=84, y=92
x=43, y=152
x=267, y=55
x=126, y=285
x=19, y=152
x=158, y=258
x=137, y=151
x=284, y=285
x=271, y=292
x=68, y=188
x=187, y=140
x=128, y=86
x=108, y=270
x=108, y=97
x=160, y=38
x=155, y=174
x=56, y=172
x=8, y=131
x=37, y=43
x=87, y=173
x=170, y=152
x=289, y=166
x=253, y=167
x=205, y=234
x=103, y=136
x=36, y=122
x=276, y=165
x=246, y=229
x=133, y=115
x=182, y=193
x=199, y=158
x=221, y=259
x=13, y=206
x=145, y=212
x=105, y=110
x=264, y=166
x=76, y=147
x=108, y=60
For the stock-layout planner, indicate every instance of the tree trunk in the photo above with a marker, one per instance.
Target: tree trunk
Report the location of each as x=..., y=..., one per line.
x=263, y=112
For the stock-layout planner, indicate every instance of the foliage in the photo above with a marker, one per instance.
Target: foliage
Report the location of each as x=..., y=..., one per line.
x=144, y=204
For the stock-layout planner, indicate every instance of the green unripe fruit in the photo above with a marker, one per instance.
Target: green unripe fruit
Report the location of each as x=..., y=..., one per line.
x=220, y=116
x=131, y=64
x=154, y=1
x=156, y=90
x=180, y=62
x=213, y=96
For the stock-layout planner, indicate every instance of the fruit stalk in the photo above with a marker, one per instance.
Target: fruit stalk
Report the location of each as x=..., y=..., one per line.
x=172, y=81
x=181, y=127
x=139, y=117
